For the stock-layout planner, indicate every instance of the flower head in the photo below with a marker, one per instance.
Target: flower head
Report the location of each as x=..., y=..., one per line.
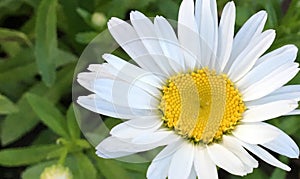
x=56, y=172
x=201, y=92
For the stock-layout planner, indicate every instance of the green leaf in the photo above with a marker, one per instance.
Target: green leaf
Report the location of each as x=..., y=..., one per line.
x=25, y=155
x=85, y=167
x=64, y=57
x=17, y=124
x=48, y=114
x=169, y=8
x=46, y=40
x=72, y=123
x=13, y=36
x=110, y=168
x=85, y=15
x=6, y=106
x=278, y=174
x=85, y=37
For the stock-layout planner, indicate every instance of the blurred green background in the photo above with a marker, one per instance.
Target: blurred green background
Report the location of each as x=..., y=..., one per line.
x=40, y=43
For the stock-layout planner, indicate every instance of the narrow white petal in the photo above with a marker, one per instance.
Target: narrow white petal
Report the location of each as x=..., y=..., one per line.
x=269, y=63
x=287, y=53
x=226, y=33
x=133, y=72
x=154, y=137
x=233, y=145
x=132, y=44
x=248, y=31
x=144, y=122
x=104, y=70
x=107, y=154
x=159, y=169
x=270, y=82
x=124, y=94
x=295, y=112
x=287, y=89
x=247, y=58
x=268, y=111
x=146, y=32
x=111, y=146
x=169, y=43
x=188, y=34
x=207, y=21
x=283, y=145
x=226, y=160
x=159, y=166
x=256, y=133
x=290, y=92
x=182, y=162
x=135, y=127
x=265, y=156
x=204, y=166
x=101, y=106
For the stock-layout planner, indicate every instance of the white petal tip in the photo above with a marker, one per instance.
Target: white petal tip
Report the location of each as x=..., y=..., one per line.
x=262, y=13
x=134, y=15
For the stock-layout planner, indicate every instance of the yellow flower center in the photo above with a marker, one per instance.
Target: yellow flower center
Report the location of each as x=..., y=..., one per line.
x=201, y=106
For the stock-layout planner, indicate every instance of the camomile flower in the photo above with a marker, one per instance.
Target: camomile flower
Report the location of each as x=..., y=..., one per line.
x=198, y=90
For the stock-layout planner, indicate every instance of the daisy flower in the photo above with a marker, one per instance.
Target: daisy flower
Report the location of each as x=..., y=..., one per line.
x=198, y=90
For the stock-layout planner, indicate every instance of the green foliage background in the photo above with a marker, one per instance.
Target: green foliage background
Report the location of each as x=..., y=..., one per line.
x=40, y=43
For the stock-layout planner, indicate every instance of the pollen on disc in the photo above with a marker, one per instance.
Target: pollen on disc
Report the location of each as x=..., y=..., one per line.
x=201, y=106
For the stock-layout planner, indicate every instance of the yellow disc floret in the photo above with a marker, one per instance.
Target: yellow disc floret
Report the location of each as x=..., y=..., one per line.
x=201, y=106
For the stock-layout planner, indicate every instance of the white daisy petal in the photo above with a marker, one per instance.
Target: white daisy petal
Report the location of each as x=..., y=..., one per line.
x=295, y=112
x=265, y=156
x=133, y=72
x=226, y=160
x=269, y=111
x=207, y=21
x=256, y=133
x=118, y=69
x=146, y=32
x=283, y=145
x=268, y=64
x=270, y=82
x=287, y=53
x=247, y=58
x=157, y=136
x=135, y=127
x=107, y=154
x=204, y=166
x=159, y=167
x=248, y=31
x=105, y=70
x=132, y=44
x=169, y=43
x=226, y=33
x=131, y=95
x=111, y=146
x=188, y=34
x=232, y=145
x=182, y=162
x=291, y=92
x=101, y=106
x=287, y=89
